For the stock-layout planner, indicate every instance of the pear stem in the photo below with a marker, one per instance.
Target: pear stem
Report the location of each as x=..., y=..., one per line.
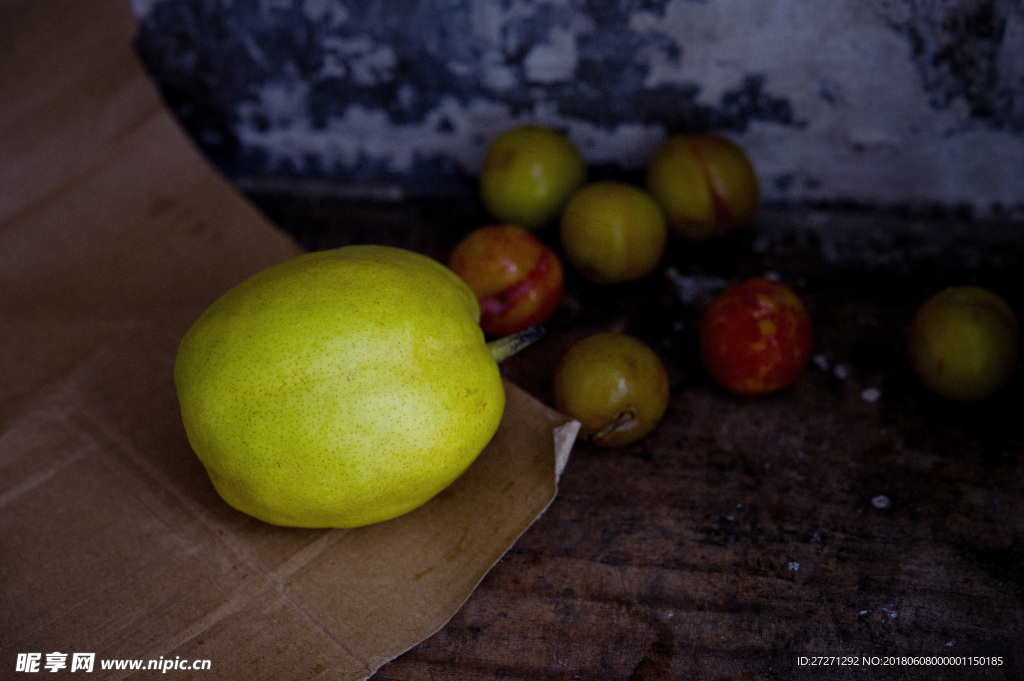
x=506, y=346
x=621, y=420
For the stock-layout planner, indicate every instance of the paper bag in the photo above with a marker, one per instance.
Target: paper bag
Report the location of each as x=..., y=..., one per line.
x=114, y=548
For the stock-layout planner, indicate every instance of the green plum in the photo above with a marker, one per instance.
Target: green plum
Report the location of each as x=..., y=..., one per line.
x=614, y=385
x=528, y=174
x=706, y=184
x=963, y=343
x=613, y=232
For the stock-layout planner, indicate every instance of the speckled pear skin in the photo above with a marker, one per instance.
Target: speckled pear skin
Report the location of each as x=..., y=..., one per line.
x=339, y=388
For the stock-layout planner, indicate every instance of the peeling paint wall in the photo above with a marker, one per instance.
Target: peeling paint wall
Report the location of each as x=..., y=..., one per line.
x=871, y=102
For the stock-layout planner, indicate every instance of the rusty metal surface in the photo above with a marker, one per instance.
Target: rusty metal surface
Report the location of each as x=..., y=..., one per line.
x=852, y=519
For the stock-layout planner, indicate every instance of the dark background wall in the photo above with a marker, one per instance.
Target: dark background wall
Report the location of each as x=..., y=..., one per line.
x=879, y=103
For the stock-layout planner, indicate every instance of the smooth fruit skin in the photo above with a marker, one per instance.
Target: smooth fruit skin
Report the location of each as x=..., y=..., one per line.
x=606, y=374
x=517, y=279
x=613, y=232
x=528, y=174
x=705, y=183
x=755, y=337
x=339, y=388
x=963, y=343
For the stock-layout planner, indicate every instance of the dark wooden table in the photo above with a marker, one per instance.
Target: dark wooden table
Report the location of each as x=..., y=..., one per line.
x=851, y=526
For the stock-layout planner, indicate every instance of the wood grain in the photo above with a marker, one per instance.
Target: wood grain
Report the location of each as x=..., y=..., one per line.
x=747, y=533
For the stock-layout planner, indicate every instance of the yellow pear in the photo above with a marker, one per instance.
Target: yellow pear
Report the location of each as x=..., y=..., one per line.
x=339, y=388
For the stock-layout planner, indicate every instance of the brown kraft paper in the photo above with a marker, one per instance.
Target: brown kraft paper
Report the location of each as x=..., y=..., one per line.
x=114, y=235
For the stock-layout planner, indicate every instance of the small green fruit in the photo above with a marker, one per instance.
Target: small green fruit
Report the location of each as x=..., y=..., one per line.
x=339, y=388
x=528, y=174
x=705, y=183
x=963, y=343
x=613, y=232
x=614, y=385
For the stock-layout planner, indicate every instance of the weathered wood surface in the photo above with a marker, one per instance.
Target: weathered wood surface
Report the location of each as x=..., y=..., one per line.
x=850, y=516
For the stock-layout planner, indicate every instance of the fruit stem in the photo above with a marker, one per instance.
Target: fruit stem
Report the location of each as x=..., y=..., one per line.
x=506, y=346
x=621, y=420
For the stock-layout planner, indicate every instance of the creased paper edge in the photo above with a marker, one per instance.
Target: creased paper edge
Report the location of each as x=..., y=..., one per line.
x=565, y=438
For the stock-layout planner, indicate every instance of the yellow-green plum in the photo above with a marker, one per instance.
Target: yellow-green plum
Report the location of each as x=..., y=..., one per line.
x=339, y=388
x=705, y=183
x=614, y=385
x=963, y=343
x=528, y=174
x=613, y=232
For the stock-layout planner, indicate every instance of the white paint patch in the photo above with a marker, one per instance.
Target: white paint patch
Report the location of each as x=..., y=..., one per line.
x=361, y=132
x=359, y=58
x=282, y=104
x=487, y=21
x=880, y=141
x=627, y=144
x=331, y=11
x=552, y=61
